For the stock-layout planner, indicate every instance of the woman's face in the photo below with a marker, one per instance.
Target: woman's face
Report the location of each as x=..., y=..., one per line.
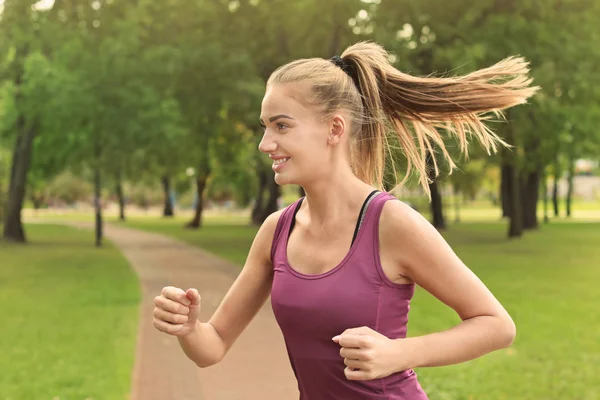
x=295, y=136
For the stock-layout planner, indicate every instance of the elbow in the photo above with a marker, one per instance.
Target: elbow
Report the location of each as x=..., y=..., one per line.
x=507, y=332
x=210, y=360
x=206, y=362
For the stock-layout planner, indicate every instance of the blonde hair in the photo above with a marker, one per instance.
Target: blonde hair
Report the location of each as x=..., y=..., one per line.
x=414, y=109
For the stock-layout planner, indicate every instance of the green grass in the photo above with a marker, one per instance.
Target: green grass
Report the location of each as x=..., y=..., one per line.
x=69, y=318
x=547, y=280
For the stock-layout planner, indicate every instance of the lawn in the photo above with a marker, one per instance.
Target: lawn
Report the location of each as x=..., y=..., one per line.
x=69, y=318
x=547, y=280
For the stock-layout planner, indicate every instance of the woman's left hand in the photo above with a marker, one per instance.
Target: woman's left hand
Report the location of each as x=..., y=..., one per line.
x=368, y=354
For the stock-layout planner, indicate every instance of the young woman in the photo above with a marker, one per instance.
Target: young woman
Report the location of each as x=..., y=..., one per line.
x=341, y=263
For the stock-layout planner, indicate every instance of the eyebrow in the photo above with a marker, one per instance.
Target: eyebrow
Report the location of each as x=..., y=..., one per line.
x=276, y=117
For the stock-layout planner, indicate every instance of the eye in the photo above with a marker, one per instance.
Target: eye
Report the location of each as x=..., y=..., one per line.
x=281, y=126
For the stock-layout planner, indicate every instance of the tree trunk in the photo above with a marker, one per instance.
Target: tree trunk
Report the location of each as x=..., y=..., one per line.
x=259, y=202
x=121, y=199
x=505, y=189
x=570, y=177
x=545, y=194
x=98, y=202
x=555, y=187
x=21, y=160
x=530, y=190
x=274, y=191
x=515, y=228
x=555, y=196
x=168, y=209
x=37, y=201
x=201, y=179
x=513, y=195
x=511, y=191
x=437, y=210
x=456, y=204
x=25, y=128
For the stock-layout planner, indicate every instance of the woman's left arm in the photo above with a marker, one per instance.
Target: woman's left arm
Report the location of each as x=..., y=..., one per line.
x=422, y=254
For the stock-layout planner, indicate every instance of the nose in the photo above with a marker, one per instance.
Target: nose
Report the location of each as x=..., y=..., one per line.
x=267, y=144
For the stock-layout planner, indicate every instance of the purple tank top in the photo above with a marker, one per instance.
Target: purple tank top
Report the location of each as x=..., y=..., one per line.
x=311, y=309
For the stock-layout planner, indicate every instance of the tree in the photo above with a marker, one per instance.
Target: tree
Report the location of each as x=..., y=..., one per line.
x=466, y=36
x=19, y=43
x=106, y=106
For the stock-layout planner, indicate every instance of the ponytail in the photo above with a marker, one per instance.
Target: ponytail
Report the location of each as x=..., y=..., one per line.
x=416, y=109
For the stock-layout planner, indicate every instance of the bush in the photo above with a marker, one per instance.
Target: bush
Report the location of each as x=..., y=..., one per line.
x=68, y=188
x=145, y=195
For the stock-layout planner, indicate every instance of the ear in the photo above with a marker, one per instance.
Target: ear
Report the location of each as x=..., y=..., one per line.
x=337, y=129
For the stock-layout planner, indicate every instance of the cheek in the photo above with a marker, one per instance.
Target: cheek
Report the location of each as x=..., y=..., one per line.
x=309, y=142
x=318, y=138
x=315, y=150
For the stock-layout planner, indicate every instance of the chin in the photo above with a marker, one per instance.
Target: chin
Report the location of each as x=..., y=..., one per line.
x=282, y=180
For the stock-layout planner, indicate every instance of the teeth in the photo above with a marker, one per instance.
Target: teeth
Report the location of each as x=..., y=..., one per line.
x=280, y=161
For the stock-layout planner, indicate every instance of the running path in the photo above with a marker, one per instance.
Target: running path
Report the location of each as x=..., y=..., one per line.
x=255, y=368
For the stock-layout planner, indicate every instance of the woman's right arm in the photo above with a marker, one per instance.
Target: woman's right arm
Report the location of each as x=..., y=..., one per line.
x=206, y=343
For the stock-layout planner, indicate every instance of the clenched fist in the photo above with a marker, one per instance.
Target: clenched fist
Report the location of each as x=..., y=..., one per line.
x=176, y=311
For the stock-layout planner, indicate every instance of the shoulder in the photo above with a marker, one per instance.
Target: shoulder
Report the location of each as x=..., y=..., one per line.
x=406, y=231
x=268, y=232
x=398, y=217
x=269, y=226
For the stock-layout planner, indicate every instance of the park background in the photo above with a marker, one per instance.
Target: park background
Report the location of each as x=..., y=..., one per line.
x=144, y=114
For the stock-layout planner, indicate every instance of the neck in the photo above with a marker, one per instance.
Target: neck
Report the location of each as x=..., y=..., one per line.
x=338, y=196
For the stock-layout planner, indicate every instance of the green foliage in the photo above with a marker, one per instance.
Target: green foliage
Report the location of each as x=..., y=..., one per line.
x=234, y=164
x=144, y=194
x=475, y=175
x=67, y=188
x=147, y=89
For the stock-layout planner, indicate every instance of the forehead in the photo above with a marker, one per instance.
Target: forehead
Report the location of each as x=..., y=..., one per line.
x=285, y=99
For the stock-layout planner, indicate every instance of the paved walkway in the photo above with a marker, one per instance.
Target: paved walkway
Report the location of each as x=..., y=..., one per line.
x=255, y=368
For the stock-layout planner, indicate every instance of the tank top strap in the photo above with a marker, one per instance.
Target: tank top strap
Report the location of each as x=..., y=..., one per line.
x=370, y=225
x=283, y=226
x=367, y=255
x=376, y=208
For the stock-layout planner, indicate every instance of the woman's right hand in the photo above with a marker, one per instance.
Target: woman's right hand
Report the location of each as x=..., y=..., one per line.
x=176, y=311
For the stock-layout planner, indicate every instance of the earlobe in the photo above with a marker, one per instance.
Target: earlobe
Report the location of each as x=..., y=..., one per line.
x=337, y=130
x=333, y=137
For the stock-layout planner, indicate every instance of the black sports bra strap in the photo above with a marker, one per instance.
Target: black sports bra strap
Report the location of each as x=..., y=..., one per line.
x=294, y=216
x=361, y=215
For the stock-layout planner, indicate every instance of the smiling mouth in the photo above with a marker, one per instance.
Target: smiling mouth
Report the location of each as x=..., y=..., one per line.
x=281, y=161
